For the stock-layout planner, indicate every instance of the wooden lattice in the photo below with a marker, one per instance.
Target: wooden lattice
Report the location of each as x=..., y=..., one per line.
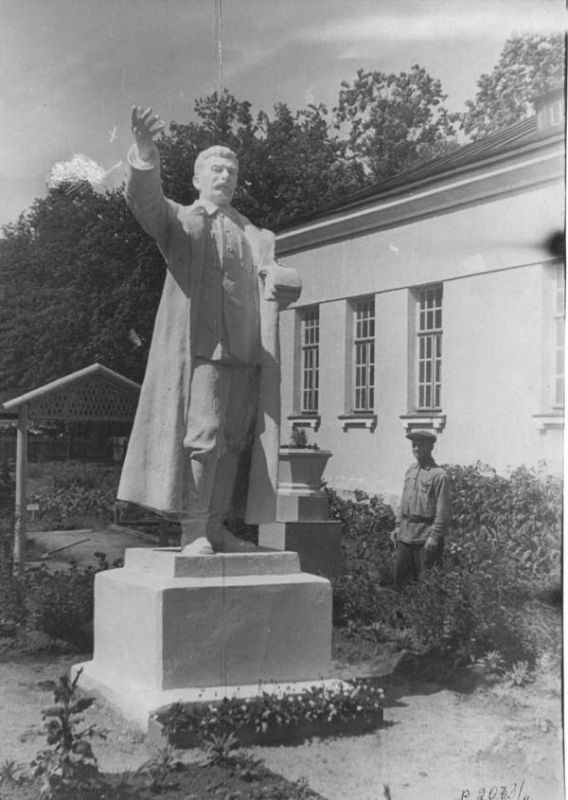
x=95, y=399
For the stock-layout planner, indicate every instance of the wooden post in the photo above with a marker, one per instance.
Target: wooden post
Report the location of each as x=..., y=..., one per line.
x=21, y=476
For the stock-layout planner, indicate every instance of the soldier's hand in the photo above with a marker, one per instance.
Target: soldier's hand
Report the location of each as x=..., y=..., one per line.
x=146, y=126
x=431, y=544
x=394, y=536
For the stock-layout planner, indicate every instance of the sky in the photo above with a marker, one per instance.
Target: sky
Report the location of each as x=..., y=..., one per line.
x=70, y=70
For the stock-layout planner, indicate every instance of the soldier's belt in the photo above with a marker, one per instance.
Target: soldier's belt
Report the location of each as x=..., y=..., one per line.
x=415, y=518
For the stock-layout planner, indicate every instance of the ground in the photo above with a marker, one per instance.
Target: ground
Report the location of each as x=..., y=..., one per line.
x=437, y=745
x=445, y=738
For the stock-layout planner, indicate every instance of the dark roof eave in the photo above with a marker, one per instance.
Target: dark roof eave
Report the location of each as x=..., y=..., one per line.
x=363, y=197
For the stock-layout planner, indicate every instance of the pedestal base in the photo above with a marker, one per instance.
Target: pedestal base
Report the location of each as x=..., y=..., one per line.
x=318, y=543
x=138, y=704
x=170, y=628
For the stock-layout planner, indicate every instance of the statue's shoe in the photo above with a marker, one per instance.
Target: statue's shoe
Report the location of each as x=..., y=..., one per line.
x=220, y=540
x=232, y=544
x=199, y=547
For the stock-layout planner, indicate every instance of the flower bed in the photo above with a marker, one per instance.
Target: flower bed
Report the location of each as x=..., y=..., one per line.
x=352, y=708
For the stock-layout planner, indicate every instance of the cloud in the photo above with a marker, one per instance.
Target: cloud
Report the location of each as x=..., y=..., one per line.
x=81, y=169
x=475, y=22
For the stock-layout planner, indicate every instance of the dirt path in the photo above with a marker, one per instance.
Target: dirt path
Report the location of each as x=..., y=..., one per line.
x=439, y=746
x=438, y=743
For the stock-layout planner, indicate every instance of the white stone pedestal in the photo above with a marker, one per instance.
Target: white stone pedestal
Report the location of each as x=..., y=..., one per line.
x=317, y=542
x=170, y=628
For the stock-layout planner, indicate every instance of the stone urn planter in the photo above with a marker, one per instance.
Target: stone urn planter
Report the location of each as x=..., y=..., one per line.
x=302, y=522
x=301, y=469
x=300, y=473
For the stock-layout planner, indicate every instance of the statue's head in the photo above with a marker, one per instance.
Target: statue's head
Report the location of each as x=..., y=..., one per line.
x=215, y=175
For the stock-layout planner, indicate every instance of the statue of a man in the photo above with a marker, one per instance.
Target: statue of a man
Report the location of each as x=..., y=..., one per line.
x=210, y=398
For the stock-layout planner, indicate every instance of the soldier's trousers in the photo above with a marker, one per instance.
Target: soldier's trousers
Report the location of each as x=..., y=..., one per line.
x=411, y=560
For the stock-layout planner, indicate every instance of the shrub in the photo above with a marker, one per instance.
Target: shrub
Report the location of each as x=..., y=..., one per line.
x=65, y=474
x=75, y=505
x=7, y=488
x=68, y=767
x=502, y=555
x=519, y=517
x=56, y=603
x=72, y=494
x=11, y=589
x=454, y=611
x=299, y=440
x=60, y=604
x=350, y=701
x=158, y=769
x=367, y=522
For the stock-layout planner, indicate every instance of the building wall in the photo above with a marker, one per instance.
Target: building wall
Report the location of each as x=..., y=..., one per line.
x=494, y=266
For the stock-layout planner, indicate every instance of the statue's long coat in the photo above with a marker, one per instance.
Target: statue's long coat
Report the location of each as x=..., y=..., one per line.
x=155, y=472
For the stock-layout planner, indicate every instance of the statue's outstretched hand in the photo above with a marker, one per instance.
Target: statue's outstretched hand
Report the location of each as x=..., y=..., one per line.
x=281, y=284
x=146, y=126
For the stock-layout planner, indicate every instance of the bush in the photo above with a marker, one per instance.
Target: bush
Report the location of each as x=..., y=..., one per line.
x=75, y=506
x=65, y=474
x=68, y=768
x=514, y=523
x=454, y=611
x=367, y=523
x=504, y=551
x=347, y=702
x=56, y=603
x=74, y=494
x=11, y=589
x=60, y=604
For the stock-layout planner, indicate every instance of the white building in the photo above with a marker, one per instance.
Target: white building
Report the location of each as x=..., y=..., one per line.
x=435, y=301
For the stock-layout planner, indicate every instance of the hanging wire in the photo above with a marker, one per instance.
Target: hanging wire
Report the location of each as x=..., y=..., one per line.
x=219, y=53
x=219, y=44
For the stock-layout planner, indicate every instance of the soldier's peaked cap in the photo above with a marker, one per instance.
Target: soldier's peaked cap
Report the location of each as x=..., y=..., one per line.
x=421, y=436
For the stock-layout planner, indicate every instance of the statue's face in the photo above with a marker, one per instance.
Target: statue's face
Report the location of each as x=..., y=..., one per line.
x=216, y=180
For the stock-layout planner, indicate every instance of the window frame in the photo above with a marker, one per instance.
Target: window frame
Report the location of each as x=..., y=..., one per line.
x=363, y=355
x=428, y=339
x=309, y=350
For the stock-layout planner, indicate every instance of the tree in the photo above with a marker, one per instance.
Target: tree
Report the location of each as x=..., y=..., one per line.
x=289, y=165
x=528, y=66
x=82, y=281
x=79, y=278
x=393, y=122
x=296, y=167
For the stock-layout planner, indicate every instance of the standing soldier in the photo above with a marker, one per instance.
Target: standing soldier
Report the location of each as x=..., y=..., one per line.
x=425, y=511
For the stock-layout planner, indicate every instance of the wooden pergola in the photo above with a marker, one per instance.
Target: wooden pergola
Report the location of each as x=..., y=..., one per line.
x=94, y=394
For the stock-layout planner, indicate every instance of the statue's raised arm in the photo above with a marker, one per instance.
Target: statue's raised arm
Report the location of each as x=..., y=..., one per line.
x=146, y=127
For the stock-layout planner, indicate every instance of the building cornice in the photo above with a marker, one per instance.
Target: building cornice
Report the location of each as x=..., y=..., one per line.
x=491, y=180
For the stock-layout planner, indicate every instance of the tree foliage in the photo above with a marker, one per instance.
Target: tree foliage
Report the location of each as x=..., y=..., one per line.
x=82, y=281
x=528, y=66
x=79, y=277
x=289, y=164
x=393, y=122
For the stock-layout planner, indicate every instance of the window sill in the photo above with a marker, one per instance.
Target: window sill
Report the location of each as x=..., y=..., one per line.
x=425, y=420
x=361, y=420
x=312, y=421
x=551, y=419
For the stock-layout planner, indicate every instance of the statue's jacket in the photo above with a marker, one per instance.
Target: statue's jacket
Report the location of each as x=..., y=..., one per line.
x=156, y=468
